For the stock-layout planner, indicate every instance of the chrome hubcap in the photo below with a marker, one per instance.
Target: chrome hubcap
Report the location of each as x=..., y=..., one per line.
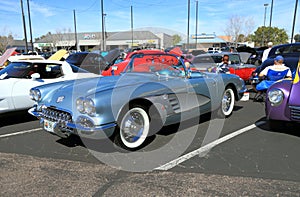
x=132, y=127
x=226, y=102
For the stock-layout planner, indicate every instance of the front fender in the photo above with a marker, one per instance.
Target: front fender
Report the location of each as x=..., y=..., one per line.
x=281, y=111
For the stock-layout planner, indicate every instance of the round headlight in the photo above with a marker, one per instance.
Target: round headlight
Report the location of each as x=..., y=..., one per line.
x=275, y=96
x=35, y=94
x=79, y=105
x=89, y=107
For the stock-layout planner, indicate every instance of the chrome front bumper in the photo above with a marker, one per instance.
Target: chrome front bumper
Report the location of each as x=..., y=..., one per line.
x=96, y=132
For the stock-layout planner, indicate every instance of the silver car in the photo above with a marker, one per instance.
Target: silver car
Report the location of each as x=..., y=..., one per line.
x=155, y=90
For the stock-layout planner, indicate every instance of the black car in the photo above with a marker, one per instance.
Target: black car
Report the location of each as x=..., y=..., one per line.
x=290, y=53
x=91, y=61
x=86, y=60
x=256, y=54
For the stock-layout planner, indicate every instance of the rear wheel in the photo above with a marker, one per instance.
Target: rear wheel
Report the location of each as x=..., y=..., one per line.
x=133, y=128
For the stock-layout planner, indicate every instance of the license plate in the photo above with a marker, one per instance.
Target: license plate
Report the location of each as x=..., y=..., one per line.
x=49, y=126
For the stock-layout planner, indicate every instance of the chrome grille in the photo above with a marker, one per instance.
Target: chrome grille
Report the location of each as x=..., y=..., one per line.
x=55, y=115
x=295, y=113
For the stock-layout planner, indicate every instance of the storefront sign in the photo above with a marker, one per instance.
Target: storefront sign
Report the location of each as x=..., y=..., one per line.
x=89, y=36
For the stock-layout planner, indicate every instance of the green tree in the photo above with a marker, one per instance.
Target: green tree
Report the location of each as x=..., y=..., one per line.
x=176, y=39
x=241, y=38
x=297, y=38
x=263, y=35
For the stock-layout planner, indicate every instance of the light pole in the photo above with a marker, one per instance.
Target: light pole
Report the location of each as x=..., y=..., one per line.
x=266, y=5
x=294, y=20
x=30, y=30
x=24, y=27
x=271, y=13
x=188, y=26
x=263, y=33
x=131, y=16
x=103, y=36
x=75, y=29
x=196, y=22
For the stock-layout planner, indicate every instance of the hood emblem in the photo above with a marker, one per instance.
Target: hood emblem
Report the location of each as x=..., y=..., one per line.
x=60, y=99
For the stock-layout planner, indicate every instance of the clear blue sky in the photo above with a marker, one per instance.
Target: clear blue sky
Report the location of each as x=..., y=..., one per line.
x=56, y=15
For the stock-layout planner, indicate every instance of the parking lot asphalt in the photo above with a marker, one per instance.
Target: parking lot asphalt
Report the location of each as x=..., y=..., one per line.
x=256, y=162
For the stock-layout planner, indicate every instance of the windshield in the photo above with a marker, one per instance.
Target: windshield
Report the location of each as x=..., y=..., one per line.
x=160, y=64
x=208, y=59
x=26, y=69
x=85, y=69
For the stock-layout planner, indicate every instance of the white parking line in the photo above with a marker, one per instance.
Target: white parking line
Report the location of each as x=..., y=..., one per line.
x=207, y=147
x=20, y=133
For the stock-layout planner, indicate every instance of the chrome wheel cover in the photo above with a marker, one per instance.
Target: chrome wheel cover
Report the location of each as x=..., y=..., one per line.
x=134, y=127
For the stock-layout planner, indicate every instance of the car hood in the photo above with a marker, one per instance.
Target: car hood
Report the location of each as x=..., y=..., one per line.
x=245, y=56
x=204, y=66
x=6, y=55
x=71, y=90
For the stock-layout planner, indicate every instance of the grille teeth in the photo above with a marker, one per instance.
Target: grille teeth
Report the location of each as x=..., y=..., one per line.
x=58, y=116
x=295, y=113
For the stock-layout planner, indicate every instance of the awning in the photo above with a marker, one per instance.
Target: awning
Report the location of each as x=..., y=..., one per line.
x=65, y=43
x=89, y=42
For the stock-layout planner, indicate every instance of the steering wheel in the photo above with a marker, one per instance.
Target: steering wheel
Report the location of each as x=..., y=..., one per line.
x=171, y=71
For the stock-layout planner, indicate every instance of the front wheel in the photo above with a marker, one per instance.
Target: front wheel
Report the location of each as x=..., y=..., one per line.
x=133, y=129
x=227, y=103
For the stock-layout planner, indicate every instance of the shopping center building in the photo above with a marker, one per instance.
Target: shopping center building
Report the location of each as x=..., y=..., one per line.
x=93, y=41
x=88, y=41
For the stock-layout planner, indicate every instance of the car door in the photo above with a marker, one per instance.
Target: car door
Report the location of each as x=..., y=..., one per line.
x=205, y=89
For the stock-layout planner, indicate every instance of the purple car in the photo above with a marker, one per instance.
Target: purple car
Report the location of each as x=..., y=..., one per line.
x=283, y=103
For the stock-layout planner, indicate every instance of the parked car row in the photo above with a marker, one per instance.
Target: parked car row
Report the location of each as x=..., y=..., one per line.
x=133, y=99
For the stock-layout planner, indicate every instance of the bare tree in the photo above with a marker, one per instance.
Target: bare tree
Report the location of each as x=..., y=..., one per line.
x=248, y=27
x=6, y=40
x=63, y=38
x=238, y=25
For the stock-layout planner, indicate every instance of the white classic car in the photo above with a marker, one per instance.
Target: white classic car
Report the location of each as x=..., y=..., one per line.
x=20, y=76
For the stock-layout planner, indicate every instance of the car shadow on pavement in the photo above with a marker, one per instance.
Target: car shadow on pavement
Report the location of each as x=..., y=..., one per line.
x=107, y=146
x=99, y=145
x=71, y=141
x=237, y=108
x=290, y=128
x=17, y=117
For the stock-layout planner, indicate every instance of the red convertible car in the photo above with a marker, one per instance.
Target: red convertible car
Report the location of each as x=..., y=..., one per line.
x=237, y=63
x=117, y=68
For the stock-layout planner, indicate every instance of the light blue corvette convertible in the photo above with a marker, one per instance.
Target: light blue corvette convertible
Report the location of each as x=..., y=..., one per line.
x=154, y=90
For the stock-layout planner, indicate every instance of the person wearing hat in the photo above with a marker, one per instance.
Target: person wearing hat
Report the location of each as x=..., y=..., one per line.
x=278, y=66
x=270, y=75
x=266, y=52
